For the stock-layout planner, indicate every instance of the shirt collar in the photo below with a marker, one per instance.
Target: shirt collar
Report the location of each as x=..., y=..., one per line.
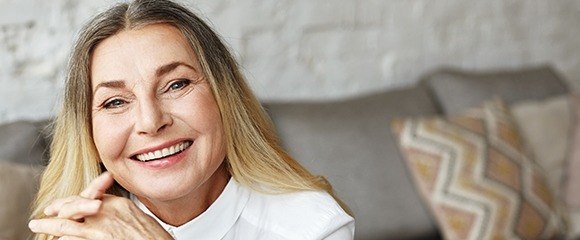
x=216, y=221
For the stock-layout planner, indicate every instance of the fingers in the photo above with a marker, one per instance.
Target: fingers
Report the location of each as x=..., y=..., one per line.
x=79, y=208
x=98, y=186
x=53, y=209
x=58, y=227
x=117, y=218
x=73, y=207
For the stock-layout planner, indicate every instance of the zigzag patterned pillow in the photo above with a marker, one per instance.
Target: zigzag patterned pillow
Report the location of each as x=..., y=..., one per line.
x=472, y=171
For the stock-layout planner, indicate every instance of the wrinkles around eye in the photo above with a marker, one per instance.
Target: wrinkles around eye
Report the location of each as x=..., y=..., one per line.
x=180, y=88
x=114, y=103
x=177, y=85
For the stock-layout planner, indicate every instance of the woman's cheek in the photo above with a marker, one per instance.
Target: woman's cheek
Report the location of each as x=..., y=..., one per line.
x=111, y=133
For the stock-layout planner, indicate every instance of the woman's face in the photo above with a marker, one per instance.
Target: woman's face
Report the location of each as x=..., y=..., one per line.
x=156, y=124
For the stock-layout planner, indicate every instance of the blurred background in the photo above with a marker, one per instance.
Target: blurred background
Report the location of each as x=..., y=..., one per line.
x=294, y=50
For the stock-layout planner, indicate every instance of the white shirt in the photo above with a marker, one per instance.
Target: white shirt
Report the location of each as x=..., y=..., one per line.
x=241, y=213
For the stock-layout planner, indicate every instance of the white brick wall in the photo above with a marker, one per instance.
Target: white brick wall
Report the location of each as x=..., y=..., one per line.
x=309, y=49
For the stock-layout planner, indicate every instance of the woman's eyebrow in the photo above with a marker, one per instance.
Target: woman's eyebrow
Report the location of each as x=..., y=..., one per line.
x=158, y=73
x=170, y=67
x=110, y=84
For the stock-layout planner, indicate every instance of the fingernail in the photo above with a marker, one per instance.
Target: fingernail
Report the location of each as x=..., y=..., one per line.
x=32, y=225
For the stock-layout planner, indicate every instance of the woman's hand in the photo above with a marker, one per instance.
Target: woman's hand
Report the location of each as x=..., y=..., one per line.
x=96, y=215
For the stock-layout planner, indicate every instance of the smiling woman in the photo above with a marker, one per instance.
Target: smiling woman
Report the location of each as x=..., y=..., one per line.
x=162, y=103
x=160, y=137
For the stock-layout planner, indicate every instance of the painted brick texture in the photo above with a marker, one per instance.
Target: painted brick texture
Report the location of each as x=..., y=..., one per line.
x=309, y=49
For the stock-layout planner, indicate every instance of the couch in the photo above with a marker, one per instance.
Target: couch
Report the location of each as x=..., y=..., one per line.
x=349, y=141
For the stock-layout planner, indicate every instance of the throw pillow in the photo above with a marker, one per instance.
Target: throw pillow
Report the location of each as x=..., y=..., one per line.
x=18, y=185
x=572, y=183
x=474, y=175
x=545, y=126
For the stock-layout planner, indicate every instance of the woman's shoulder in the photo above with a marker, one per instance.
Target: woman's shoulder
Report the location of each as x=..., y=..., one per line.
x=315, y=213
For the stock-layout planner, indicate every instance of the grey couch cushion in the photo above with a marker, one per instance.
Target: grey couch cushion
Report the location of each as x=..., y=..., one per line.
x=458, y=90
x=24, y=142
x=350, y=143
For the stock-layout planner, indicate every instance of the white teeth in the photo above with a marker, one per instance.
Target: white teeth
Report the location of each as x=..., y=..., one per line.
x=163, y=152
x=157, y=154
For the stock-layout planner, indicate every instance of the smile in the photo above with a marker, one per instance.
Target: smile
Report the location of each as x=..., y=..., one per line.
x=162, y=153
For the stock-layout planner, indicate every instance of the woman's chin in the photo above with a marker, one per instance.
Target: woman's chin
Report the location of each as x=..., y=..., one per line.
x=159, y=195
x=160, y=189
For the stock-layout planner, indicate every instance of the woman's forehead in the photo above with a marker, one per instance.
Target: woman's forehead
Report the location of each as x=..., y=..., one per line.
x=140, y=52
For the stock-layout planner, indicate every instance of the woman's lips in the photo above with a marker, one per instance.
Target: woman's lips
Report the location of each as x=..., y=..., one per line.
x=168, y=157
x=164, y=162
x=162, y=153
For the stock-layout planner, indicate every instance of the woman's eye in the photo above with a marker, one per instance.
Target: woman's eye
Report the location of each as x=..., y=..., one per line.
x=180, y=84
x=115, y=103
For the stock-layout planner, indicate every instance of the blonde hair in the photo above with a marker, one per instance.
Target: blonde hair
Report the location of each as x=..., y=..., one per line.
x=254, y=156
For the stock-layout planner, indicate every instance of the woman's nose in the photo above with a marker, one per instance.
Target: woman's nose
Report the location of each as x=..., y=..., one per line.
x=152, y=118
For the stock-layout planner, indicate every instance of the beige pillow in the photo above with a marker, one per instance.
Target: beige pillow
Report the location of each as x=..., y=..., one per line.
x=572, y=183
x=545, y=126
x=18, y=185
x=472, y=171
